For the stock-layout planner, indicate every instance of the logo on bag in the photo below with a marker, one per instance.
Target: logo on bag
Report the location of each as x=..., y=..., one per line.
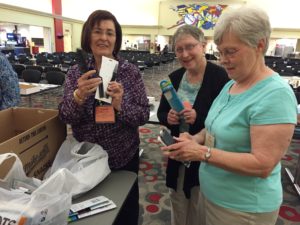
x=7, y=221
x=44, y=214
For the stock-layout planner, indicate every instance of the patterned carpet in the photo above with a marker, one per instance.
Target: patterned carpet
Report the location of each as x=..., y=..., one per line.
x=154, y=200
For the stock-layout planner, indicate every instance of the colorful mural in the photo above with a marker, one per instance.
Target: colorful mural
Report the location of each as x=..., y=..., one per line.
x=201, y=15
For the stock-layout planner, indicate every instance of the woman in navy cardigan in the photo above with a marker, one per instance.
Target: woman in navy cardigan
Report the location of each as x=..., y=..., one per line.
x=198, y=82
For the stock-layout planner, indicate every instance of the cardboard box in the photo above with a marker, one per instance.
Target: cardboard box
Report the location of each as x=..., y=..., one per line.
x=26, y=89
x=35, y=135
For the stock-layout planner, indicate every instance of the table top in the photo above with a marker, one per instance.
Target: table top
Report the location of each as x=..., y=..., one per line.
x=116, y=187
x=37, y=87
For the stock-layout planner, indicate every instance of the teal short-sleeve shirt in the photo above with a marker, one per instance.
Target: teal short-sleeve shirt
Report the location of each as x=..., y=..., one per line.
x=270, y=101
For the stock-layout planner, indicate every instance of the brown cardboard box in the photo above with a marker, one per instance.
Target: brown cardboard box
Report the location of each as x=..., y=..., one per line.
x=35, y=135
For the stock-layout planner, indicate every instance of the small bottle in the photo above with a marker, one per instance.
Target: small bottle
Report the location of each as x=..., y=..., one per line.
x=171, y=95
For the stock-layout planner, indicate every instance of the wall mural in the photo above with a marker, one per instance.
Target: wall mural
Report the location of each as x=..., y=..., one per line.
x=200, y=15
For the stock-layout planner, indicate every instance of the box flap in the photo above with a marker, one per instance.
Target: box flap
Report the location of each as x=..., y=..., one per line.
x=39, y=135
x=7, y=123
x=17, y=120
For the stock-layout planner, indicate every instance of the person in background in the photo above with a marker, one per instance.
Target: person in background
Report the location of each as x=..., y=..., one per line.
x=9, y=84
x=102, y=36
x=158, y=48
x=165, y=50
x=198, y=82
x=247, y=131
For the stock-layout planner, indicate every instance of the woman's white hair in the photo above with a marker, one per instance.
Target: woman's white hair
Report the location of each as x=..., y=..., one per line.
x=249, y=24
x=189, y=30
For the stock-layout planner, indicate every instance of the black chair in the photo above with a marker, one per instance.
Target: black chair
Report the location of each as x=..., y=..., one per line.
x=28, y=63
x=55, y=77
x=56, y=61
x=141, y=65
x=18, y=68
x=22, y=59
x=41, y=59
x=11, y=58
x=67, y=60
x=39, y=68
x=65, y=67
x=51, y=68
x=297, y=70
x=31, y=75
x=45, y=64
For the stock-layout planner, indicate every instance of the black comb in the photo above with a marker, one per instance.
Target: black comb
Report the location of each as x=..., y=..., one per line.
x=82, y=57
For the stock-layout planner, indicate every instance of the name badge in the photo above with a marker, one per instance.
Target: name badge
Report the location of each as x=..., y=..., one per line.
x=105, y=114
x=209, y=140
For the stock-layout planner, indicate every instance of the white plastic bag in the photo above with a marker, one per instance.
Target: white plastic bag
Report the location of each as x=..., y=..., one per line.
x=16, y=175
x=87, y=164
x=42, y=207
x=48, y=204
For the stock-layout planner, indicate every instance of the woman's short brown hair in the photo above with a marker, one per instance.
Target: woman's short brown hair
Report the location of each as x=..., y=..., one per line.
x=93, y=19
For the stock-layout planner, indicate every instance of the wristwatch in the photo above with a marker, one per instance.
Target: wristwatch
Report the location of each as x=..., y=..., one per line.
x=207, y=154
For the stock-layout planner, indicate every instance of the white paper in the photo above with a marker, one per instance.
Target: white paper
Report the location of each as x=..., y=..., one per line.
x=106, y=72
x=109, y=206
x=88, y=203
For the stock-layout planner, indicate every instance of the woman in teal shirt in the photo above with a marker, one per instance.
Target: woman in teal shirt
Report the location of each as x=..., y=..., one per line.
x=248, y=128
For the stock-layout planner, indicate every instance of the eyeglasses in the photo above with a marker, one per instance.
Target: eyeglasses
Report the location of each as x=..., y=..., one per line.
x=109, y=33
x=188, y=48
x=228, y=53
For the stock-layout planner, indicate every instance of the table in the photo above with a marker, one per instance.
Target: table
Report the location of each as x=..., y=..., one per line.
x=115, y=187
x=40, y=87
x=37, y=88
x=153, y=113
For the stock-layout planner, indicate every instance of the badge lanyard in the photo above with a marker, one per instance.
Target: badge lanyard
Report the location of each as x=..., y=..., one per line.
x=210, y=137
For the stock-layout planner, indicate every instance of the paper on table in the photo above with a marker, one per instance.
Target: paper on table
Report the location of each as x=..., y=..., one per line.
x=108, y=66
x=90, y=207
x=110, y=205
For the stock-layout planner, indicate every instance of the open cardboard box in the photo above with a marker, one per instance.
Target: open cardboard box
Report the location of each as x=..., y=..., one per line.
x=35, y=135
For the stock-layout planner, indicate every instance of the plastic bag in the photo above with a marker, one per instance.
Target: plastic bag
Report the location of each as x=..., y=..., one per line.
x=35, y=209
x=48, y=204
x=16, y=176
x=86, y=162
x=77, y=168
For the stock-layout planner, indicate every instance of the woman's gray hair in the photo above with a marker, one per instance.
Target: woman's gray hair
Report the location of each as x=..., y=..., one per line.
x=249, y=24
x=189, y=30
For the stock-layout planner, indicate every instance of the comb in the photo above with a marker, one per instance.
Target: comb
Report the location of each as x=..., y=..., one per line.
x=82, y=57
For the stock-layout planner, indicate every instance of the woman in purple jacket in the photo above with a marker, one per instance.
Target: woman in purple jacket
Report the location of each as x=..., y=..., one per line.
x=102, y=36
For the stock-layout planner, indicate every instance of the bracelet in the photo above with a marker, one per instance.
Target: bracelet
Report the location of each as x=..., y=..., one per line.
x=207, y=154
x=76, y=97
